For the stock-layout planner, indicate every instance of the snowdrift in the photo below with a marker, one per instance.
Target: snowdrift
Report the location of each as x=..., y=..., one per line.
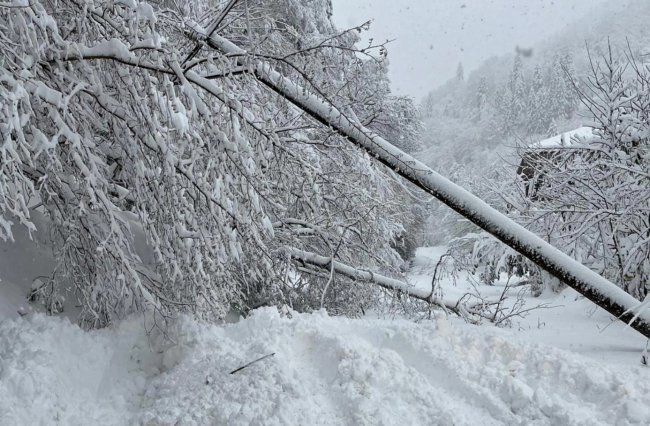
x=325, y=371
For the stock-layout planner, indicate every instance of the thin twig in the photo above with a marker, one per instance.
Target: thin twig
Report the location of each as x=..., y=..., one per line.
x=251, y=363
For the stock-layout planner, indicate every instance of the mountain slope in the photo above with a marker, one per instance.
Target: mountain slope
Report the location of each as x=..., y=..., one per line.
x=467, y=121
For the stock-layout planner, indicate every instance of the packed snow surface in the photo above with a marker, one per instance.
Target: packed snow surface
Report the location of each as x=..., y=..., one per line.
x=326, y=370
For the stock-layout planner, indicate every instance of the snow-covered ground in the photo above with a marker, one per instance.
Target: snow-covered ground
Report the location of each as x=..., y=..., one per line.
x=325, y=371
x=553, y=367
x=566, y=320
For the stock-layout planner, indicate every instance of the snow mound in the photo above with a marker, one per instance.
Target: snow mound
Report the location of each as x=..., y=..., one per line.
x=53, y=372
x=326, y=370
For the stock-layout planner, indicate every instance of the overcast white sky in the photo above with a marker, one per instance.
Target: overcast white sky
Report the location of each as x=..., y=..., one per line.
x=432, y=36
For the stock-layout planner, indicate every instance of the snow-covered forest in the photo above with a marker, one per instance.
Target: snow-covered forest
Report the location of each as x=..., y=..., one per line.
x=219, y=212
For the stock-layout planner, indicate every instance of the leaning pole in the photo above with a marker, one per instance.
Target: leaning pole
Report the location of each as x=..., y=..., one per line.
x=585, y=281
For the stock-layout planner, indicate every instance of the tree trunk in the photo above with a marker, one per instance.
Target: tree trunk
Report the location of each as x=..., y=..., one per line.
x=588, y=283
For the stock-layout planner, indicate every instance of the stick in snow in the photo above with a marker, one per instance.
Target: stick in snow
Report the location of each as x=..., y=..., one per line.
x=252, y=362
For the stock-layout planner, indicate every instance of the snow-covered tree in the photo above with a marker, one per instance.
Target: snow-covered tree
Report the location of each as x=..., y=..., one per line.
x=591, y=196
x=118, y=122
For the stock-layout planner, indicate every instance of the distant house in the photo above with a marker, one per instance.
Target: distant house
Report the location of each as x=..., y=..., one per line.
x=548, y=151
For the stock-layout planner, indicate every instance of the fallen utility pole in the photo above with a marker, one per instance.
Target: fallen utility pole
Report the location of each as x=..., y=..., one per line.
x=585, y=281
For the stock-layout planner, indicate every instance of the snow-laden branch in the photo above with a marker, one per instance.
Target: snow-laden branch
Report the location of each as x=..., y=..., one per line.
x=388, y=283
x=593, y=286
x=140, y=159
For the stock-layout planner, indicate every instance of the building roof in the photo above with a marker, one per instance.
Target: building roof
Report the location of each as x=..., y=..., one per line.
x=565, y=138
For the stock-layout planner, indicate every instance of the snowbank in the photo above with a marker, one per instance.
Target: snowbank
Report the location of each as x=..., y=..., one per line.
x=52, y=372
x=325, y=370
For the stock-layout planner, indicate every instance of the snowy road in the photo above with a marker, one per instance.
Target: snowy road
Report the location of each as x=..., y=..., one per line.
x=326, y=371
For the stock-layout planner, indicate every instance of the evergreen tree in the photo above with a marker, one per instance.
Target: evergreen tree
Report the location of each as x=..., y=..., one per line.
x=513, y=100
x=539, y=118
x=482, y=93
x=569, y=96
x=556, y=84
x=460, y=73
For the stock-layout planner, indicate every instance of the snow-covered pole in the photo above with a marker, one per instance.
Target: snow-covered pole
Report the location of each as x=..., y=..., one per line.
x=588, y=283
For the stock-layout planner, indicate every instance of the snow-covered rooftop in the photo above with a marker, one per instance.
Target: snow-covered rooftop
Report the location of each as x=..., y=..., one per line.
x=565, y=138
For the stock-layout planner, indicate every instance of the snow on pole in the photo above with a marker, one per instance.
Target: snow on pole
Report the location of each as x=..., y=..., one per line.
x=587, y=282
